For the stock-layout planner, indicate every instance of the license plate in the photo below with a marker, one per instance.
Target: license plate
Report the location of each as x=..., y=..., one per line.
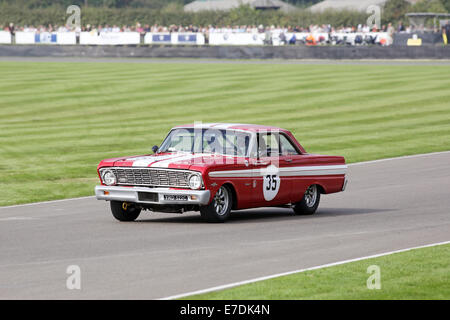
x=171, y=197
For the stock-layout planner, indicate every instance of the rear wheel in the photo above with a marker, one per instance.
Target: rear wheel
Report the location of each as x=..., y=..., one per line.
x=308, y=205
x=124, y=211
x=220, y=207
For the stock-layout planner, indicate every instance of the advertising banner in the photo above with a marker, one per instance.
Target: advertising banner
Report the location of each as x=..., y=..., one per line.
x=25, y=37
x=219, y=38
x=66, y=38
x=119, y=38
x=157, y=38
x=88, y=38
x=188, y=38
x=110, y=38
x=45, y=38
x=5, y=37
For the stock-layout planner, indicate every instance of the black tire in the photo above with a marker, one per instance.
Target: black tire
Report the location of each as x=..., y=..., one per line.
x=309, y=203
x=220, y=207
x=124, y=211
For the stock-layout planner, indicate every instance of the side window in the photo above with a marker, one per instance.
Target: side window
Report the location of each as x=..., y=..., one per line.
x=268, y=145
x=287, y=148
x=212, y=141
x=237, y=144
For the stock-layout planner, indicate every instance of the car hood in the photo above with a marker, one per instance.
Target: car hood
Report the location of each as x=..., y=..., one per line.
x=187, y=161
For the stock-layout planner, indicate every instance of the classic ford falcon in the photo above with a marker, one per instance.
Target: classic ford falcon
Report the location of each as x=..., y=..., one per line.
x=216, y=168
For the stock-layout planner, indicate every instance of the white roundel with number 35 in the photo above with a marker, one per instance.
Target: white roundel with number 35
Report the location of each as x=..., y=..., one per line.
x=271, y=184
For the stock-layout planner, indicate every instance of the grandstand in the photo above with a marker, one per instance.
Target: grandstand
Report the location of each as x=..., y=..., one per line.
x=216, y=5
x=359, y=5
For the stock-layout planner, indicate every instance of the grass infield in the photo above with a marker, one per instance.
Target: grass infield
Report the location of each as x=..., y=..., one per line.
x=58, y=120
x=417, y=274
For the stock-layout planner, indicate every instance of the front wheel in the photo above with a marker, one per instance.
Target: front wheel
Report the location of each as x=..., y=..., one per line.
x=220, y=207
x=124, y=211
x=308, y=205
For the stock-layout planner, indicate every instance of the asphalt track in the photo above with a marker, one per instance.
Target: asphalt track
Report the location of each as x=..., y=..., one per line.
x=388, y=205
x=380, y=62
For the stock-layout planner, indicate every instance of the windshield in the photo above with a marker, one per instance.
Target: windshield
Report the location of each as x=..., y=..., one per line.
x=226, y=142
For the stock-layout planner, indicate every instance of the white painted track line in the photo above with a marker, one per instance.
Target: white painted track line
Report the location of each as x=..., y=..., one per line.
x=235, y=284
x=45, y=202
x=420, y=155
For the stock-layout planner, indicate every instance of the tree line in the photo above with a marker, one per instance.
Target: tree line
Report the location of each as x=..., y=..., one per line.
x=44, y=12
x=152, y=4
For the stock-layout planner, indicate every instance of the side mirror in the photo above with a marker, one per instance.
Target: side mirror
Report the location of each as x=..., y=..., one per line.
x=154, y=149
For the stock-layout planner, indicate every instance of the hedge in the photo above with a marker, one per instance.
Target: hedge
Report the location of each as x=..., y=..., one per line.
x=56, y=15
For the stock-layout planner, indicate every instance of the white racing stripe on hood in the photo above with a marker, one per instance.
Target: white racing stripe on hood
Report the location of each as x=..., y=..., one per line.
x=145, y=161
x=166, y=163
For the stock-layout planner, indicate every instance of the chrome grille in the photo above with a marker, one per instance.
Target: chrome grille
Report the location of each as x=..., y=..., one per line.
x=151, y=177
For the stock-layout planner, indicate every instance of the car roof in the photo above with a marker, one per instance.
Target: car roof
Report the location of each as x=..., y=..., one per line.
x=231, y=126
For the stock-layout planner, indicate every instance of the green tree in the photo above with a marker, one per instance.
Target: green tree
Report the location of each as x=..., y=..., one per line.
x=446, y=4
x=394, y=10
x=428, y=6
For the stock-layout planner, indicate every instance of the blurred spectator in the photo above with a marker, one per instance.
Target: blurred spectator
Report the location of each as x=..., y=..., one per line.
x=390, y=30
x=12, y=29
x=446, y=33
x=282, y=38
x=310, y=40
x=139, y=28
x=268, y=37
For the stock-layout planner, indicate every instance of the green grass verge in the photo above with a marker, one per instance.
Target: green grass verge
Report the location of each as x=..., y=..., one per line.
x=58, y=120
x=416, y=274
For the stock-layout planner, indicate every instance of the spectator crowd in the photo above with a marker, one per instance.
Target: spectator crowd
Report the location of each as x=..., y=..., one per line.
x=211, y=29
x=312, y=35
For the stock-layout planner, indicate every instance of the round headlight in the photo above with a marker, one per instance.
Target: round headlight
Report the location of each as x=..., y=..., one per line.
x=195, y=181
x=109, y=178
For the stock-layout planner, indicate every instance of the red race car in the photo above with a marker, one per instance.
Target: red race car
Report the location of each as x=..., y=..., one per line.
x=215, y=168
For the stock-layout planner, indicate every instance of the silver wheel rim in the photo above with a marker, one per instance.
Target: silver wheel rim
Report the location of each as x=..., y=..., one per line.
x=311, y=196
x=221, y=201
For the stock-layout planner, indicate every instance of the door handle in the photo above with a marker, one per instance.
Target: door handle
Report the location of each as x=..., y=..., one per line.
x=260, y=163
x=288, y=160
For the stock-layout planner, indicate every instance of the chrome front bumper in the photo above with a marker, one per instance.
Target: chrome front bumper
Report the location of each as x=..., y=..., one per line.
x=146, y=195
